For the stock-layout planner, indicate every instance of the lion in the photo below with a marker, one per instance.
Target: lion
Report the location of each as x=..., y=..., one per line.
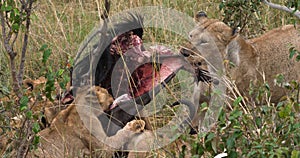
x=252, y=62
x=256, y=61
x=68, y=135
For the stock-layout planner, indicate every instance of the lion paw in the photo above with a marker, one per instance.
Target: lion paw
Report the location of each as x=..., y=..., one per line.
x=136, y=126
x=103, y=97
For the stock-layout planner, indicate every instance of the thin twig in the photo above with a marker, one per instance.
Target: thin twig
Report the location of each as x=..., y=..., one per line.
x=6, y=38
x=25, y=142
x=298, y=94
x=15, y=38
x=283, y=8
x=106, y=10
x=25, y=41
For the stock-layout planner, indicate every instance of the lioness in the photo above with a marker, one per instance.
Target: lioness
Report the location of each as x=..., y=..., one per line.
x=256, y=60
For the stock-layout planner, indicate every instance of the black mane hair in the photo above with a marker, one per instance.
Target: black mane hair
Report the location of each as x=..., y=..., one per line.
x=132, y=22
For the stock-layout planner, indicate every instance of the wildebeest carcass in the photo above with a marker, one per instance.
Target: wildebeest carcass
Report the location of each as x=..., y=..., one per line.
x=114, y=58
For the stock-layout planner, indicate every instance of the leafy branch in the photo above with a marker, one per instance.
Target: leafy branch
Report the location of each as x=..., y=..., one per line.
x=15, y=23
x=15, y=17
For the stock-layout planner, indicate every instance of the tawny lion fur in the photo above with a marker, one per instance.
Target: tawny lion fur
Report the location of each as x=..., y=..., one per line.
x=256, y=60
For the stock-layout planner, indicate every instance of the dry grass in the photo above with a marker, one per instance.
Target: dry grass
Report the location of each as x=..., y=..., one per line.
x=63, y=25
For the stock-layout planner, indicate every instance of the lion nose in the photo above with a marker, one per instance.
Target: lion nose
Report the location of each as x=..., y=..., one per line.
x=216, y=82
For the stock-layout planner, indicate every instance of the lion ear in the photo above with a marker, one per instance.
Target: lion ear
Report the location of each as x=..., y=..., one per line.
x=233, y=48
x=236, y=31
x=200, y=16
x=232, y=52
x=239, y=48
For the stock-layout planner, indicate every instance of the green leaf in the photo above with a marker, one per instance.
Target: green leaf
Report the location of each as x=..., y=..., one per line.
x=4, y=90
x=251, y=153
x=29, y=114
x=182, y=153
x=237, y=100
x=296, y=126
x=36, y=127
x=44, y=47
x=295, y=154
x=230, y=143
x=285, y=111
x=222, y=117
x=60, y=72
x=210, y=137
x=298, y=58
x=235, y=114
x=265, y=109
x=36, y=141
x=221, y=6
x=233, y=154
x=50, y=84
x=258, y=147
x=279, y=105
x=200, y=149
x=6, y=8
x=23, y=103
x=46, y=55
x=15, y=27
x=204, y=105
x=267, y=86
x=278, y=128
x=62, y=85
x=292, y=51
x=16, y=11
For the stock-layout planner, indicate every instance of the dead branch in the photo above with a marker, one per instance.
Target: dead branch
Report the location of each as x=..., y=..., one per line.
x=26, y=140
x=283, y=8
x=28, y=10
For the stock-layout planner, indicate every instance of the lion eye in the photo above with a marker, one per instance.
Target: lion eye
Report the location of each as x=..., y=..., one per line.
x=185, y=52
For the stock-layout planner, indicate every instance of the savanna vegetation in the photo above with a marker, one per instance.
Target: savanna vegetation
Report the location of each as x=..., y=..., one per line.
x=41, y=39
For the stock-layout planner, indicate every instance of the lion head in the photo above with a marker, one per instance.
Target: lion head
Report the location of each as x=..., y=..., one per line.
x=252, y=61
